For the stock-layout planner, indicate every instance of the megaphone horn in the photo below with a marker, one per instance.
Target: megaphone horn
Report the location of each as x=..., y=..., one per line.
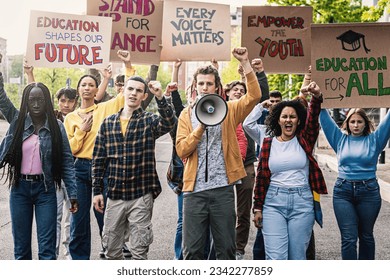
x=211, y=109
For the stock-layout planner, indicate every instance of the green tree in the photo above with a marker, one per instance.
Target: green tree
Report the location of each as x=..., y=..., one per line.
x=230, y=73
x=374, y=13
x=12, y=91
x=16, y=69
x=55, y=78
x=326, y=11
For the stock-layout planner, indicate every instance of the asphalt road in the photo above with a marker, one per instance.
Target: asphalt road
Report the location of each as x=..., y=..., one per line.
x=165, y=215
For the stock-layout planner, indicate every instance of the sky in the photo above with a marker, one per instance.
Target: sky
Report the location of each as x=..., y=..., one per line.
x=15, y=15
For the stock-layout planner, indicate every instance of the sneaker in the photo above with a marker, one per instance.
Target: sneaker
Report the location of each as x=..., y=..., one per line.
x=102, y=253
x=126, y=252
x=239, y=256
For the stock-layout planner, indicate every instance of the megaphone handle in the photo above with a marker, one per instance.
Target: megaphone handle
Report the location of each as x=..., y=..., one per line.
x=206, y=173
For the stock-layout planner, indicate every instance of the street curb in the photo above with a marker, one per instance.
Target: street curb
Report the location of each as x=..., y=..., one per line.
x=331, y=163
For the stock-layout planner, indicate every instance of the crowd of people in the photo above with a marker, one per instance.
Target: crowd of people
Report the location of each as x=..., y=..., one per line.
x=99, y=150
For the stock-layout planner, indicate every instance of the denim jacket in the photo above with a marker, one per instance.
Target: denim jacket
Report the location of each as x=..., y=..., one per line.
x=45, y=145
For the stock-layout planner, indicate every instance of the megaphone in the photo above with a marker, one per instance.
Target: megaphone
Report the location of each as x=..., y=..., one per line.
x=211, y=109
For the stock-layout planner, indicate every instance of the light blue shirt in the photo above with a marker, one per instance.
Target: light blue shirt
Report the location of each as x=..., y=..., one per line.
x=252, y=128
x=357, y=156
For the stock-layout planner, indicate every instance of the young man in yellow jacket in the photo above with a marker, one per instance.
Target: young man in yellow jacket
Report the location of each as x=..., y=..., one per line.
x=209, y=200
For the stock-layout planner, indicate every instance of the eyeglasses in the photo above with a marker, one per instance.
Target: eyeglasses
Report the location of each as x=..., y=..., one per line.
x=119, y=84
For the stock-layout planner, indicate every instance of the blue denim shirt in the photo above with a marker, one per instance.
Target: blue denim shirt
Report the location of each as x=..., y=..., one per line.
x=45, y=145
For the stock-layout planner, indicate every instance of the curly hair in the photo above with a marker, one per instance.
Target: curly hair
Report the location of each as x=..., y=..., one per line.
x=13, y=158
x=272, y=120
x=368, y=124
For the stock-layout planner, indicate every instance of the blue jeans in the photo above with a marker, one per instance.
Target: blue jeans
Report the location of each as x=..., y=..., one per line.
x=259, y=250
x=356, y=206
x=179, y=229
x=258, y=246
x=288, y=220
x=100, y=216
x=30, y=198
x=80, y=222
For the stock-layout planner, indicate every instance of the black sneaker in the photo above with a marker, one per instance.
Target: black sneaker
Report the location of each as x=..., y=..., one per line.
x=102, y=253
x=126, y=252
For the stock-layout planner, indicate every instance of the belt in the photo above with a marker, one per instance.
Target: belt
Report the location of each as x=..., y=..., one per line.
x=28, y=177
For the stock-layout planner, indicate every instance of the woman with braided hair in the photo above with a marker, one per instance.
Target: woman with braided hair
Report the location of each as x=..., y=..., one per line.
x=35, y=156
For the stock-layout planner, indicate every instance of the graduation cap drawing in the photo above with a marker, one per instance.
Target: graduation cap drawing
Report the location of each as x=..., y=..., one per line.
x=350, y=41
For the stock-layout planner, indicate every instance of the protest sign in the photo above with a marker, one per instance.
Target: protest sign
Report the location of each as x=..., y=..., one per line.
x=280, y=36
x=195, y=31
x=66, y=40
x=349, y=63
x=136, y=27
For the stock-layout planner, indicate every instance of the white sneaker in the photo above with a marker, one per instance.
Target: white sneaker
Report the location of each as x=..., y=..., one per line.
x=239, y=256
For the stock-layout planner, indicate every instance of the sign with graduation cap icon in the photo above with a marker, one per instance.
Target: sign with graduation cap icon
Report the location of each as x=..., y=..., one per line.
x=350, y=41
x=350, y=63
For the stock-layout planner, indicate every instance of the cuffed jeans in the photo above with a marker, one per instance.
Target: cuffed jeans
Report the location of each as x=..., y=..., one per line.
x=212, y=209
x=31, y=198
x=356, y=206
x=288, y=220
x=80, y=222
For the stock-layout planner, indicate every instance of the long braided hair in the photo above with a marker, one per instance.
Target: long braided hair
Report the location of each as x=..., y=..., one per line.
x=13, y=158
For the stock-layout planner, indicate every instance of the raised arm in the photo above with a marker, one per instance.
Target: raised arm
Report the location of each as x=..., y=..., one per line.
x=246, y=103
x=252, y=128
x=152, y=76
x=331, y=129
x=383, y=131
x=6, y=107
x=305, y=83
x=175, y=71
x=173, y=96
x=312, y=126
x=106, y=73
x=29, y=71
x=258, y=67
x=167, y=118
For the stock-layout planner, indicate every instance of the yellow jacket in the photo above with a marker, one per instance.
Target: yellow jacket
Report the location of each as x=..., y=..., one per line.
x=81, y=142
x=188, y=138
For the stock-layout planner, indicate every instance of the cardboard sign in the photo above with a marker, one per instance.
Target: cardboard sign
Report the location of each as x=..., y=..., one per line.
x=195, y=31
x=350, y=63
x=136, y=27
x=280, y=36
x=65, y=40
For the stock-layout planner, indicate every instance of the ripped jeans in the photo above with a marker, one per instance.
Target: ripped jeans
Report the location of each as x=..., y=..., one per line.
x=134, y=216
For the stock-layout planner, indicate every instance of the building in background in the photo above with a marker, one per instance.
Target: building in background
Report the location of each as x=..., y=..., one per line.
x=3, y=64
